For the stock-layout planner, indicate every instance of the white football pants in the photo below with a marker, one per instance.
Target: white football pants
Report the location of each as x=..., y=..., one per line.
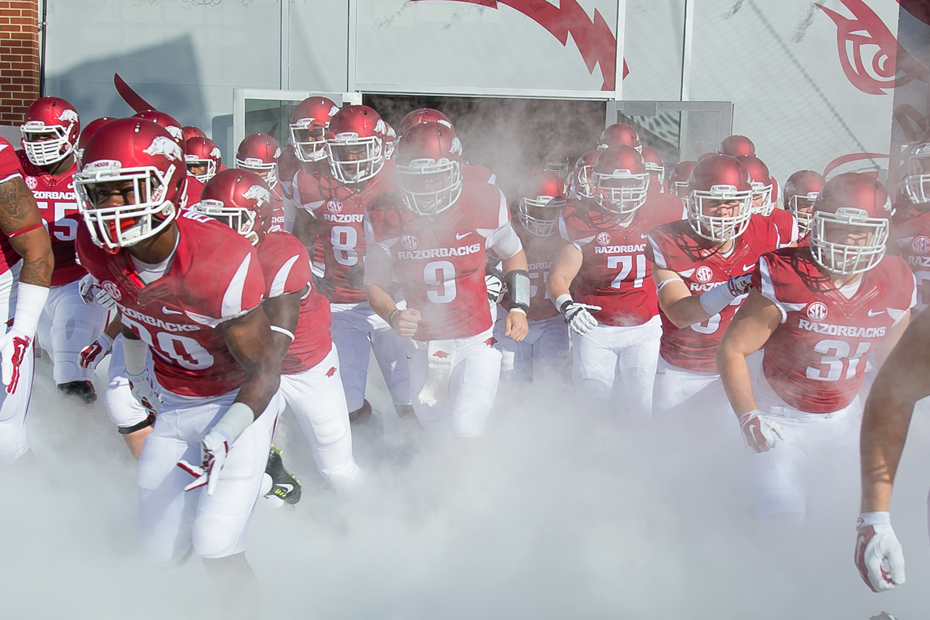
x=690, y=395
x=357, y=329
x=66, y=326
x=14, y=441
x=317, y=400
x=122, y=407
x=611, y=350
x=472, y=386
x=172, y=520
x=542, y=356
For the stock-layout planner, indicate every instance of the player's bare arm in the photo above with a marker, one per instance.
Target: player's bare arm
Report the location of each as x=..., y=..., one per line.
x=250, y=341
x=516, y=325
x=306, y=228
x=19, y=214
x=565, y=267
x=679, y=305
x=754, y=323
x=283, y=312
x=892, y=336
x=404, y=322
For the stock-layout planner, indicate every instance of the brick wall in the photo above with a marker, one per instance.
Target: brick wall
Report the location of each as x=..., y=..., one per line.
x=19, y=58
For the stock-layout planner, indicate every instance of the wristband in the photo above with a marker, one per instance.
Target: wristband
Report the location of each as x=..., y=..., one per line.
x=875, y=518
x=281, y=330
x=236, y=419
x=106, y=338
x=716, y=299
x=24, y=230
x=135, y=355
x=518, y=309
x=30, y=301
x=391, y=317
x=561, y=299
x=518, y=285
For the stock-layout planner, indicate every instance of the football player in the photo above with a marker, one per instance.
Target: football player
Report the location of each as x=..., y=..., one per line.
x=338, y=197
x=203, y=158
x=602, y=283
x=26, y=265
x=702, y=270
x=910, y=229
x=735, y=146
x=86, y=133
x=619, y=134
x=816, y=312
x=801, y=191
x=655, y=165
x=259, y=153
x=435, y=234
x=581, y=185
x=50, y=135
x=678, y=178
x=300, y=317
x=764, y=201
x=190, y=290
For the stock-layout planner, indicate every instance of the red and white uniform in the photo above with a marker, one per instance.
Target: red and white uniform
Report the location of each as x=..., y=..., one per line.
x=277, y=210
x=67, y=324
x=480, y=174
x=616, y=275
x=687, y=363
x=544, y=354
x=310, y=381
x=356, y=328
x=786, y=225
x=194, y=189
x=440, y=263
x=910, y=239
x=178, y=314
x=813, y=368
x=13, y=407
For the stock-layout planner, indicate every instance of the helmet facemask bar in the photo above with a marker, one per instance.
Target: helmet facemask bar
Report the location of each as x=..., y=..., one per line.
x=767, y=206
x=680, y=189
x=804, y=218
x=656, y=169
x=196, y=161
x=240, y=220
x=917, y=182
x=354, y=170
x=410, y=180
x=308, y=151
x=561, y=168
x=539, y=226
x=125, y=225
x=621, y=200
x=719, y=229
x=842, y=258
x=584, y=185
x=46, y=152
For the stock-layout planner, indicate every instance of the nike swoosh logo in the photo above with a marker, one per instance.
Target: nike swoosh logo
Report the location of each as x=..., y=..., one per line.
x=166, y=310
x=873, y=313
x=748, y=267
x=644, y=235
x=3, y=146
x=459, y=237
x=286, y=487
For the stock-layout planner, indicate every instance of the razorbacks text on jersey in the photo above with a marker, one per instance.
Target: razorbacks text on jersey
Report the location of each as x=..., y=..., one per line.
x=286, y=269
x=340, y=210
x=615, y=274
x=179, y=314
x=9, y=168
x=277, y=208
x=815, y=360
x=58, y=206
x=540, y=252
x=678, y=248
x=910, y=239
x=440, y=261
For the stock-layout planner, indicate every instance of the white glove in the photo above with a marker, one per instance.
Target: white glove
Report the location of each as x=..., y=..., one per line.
x=578, y=316
x=13, y=351
x=759, y=431
x=91, y=291
x=879, y=556
x=144, y=392
x=93, y=354
x=740, y=285
x=495, y=287
x=213, y=449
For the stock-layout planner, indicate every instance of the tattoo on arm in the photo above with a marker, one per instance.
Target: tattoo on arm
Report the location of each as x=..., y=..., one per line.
x=18, y=211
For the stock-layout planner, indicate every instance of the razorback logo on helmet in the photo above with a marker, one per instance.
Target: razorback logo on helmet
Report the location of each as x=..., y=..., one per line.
x=603, y=238
x=921, y=244
x=277, y=152
x=215, y=152
x=177, y=132
x=31, y=182
x=334, y=206
x=456, y=147
x=111, y=289
x=380, y=127
x=333, y=110
x=259, y=193
x=704, y=274
x=817, y=311
x=163, y=146
x=409, y=242
x=68, y=115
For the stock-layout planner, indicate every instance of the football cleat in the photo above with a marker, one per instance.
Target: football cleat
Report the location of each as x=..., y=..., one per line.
x=360, y=415
x=285, y=485
x=83, y=390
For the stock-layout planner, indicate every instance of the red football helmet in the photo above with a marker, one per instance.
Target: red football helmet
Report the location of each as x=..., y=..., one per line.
x=848, y=205
x=200, y=152
x=620, y=179
x=192, y=132
x=557, y=161
x=424, y=115
x=715, y=181
x=308, y=125
x=429, y=168
x=584, y=168
x=355, y=144
x=51, y=130
x=241, y=200
x=678, y=178
x=86, y=133
x=541, y=199
x=655, y=165
x=917, y=181
x=142, y=152
x=761, y=184
x=390, y=141
x=165, y=120
x=259, y=153
x=801, y=190
x=734, y=146
x=619, y=134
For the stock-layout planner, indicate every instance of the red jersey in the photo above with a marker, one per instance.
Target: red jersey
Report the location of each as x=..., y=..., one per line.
x=440, y=261
x=481, y=174
x=9, y=168
x=194, y=189
x=58, y=206
x=340, y=210
x=815, y=360
x=786, y=225
x=910, y=239
x=179, y=314
x=540, y=252
x=286, y=269
x=615, y=274
x=277, y=209
x=678, y=248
